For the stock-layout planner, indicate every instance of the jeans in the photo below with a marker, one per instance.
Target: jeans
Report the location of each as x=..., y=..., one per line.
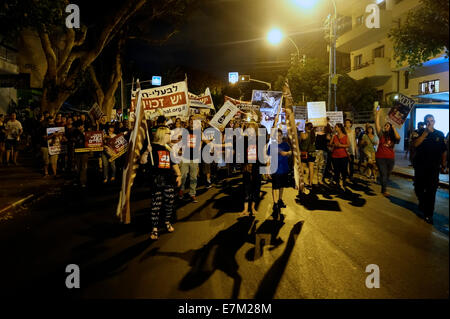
x=192, y=169
x=106, y=165
x=385, y=166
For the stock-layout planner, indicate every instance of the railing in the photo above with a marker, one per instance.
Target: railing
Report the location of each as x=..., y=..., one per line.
x=367, y=63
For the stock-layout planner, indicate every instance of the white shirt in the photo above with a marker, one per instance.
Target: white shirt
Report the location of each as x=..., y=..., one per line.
x=13, y=129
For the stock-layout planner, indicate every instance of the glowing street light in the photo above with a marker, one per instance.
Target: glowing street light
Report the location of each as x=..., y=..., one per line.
x=275, y=36
x=305, y=4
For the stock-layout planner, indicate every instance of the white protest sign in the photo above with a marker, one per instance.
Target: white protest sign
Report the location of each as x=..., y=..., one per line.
x=224, y=115
x=172, y=99
x=335, y=117
x=202, y=100
x=317, y=113
x=54, y=140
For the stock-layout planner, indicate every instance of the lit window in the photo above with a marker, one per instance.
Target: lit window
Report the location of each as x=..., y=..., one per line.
x=428, y=87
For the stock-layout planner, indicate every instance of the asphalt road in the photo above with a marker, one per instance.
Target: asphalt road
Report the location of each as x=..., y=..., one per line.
x=320, y=250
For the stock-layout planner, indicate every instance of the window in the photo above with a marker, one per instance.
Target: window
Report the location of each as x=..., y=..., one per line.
x=359, y=20
x=378, y=52
x=406, y=74
x=429, y=87
x=357, y=62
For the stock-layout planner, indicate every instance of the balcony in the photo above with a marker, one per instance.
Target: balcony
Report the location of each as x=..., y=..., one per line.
x=360, y=36
x=377, y=68
x=8, y=61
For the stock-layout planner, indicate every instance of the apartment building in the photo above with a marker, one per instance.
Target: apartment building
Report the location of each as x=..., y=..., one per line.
x=372, y=57
x=8, y=66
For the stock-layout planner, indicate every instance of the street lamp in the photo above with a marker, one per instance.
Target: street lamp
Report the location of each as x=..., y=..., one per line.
x=307, y=4
x=275, y=36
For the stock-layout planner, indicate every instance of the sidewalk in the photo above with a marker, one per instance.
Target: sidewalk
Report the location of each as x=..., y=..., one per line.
x=402, y=168
x=23, y=183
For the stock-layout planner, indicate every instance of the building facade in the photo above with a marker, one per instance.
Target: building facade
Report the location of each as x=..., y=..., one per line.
x=8, y=66
x=372, y=56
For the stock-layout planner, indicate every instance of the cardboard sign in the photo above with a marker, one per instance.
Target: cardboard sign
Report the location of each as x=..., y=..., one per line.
x=399, y=112
x=336, y=117
x=301, y=112
x=95, y=112
x=93, y=142
x=172, y=99
x=116, y=146
x=317, y=113
x=268, y=101
x=224, y=115
x=201, y=101
x=55, y=136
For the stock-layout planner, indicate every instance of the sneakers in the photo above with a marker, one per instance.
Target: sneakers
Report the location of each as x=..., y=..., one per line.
x=208, y=184
x=194, y=199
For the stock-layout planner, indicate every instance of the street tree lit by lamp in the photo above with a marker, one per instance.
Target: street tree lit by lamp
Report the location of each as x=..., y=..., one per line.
x=275, y=36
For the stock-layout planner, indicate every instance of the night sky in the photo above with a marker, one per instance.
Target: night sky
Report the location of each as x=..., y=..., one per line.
x=229, y=35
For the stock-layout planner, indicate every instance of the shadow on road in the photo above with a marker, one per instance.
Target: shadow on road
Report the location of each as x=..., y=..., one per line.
x=268, y=286
x=218, y=254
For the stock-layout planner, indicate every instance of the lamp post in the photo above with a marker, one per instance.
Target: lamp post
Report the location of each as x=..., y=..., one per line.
x=307, y=4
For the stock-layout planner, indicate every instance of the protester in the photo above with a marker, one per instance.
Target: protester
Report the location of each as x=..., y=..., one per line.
x=80, y=157
x=190, y=161
x=323, y=138
x=13, y=130
x=339, y=155
x=280, y=177
x=251, y=177
x=308, y=151
x=429, y=160
x=385, y=156
x=414, y=135
x=369, y=143
x=46, y=157
x=105, y=158
x=70, y=154
x=165, y=174
x=2, y=138
x=351, y=135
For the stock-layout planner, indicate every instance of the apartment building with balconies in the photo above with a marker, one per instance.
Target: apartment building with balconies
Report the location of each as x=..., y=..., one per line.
x=372, y=57
x=8, y=66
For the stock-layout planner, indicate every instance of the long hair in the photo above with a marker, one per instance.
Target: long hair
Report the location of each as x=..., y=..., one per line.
x=342, y=128
x=312, y=132
x=389, y=134
x=160, y=134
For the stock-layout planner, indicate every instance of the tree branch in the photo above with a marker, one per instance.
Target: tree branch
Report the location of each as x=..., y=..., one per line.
x=49, y=54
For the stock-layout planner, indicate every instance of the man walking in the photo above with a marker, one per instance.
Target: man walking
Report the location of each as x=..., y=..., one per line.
x=13, y=130
x=351, y=135
x=430, y=158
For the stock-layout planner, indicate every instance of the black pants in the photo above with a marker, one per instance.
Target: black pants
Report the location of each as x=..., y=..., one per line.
x=252, y=186
x=162, y=196
x=426, y=181
x=385, y=166
x=328, y=168
x=340, y=168
x=351, y=165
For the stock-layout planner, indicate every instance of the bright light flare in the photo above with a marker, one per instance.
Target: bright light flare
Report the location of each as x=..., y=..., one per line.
x=305, y=4
x=275, y=36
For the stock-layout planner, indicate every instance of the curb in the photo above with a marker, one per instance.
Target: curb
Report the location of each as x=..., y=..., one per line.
x=17, y=203
x=409, y=176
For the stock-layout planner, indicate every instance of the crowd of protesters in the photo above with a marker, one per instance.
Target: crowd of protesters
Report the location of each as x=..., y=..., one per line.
x=329, y=156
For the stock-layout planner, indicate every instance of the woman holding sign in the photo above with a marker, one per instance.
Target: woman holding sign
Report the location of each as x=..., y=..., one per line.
x=164, y=175
x=106, y=163
x=385, y=155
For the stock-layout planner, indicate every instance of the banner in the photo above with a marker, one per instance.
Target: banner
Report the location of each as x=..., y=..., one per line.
x=55, y=136
x=399, y=112
x=224, y=115
x=95, y=112
x=317, y=113
x=293, y=136
x=268, y=101
x=116, y=146
x=335, y=117
x=201, y=101
x=172, y=99
x=137, y=138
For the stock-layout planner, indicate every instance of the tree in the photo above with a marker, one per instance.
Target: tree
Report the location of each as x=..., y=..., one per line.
x=423, y=35
x=310, y=82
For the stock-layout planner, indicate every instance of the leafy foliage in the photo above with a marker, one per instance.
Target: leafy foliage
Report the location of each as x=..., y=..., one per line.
x=423, y=35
